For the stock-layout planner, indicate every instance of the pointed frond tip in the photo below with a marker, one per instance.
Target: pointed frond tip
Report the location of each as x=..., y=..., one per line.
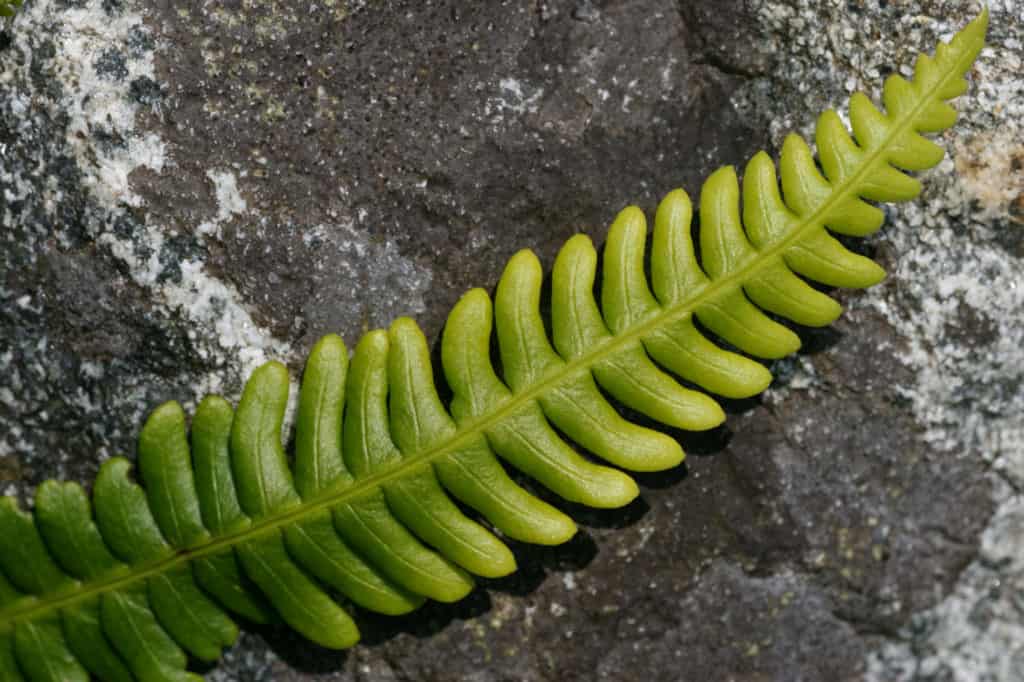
x=131, y=583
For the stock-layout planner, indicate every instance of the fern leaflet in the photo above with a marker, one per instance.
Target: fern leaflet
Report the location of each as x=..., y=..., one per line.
x=9, y=7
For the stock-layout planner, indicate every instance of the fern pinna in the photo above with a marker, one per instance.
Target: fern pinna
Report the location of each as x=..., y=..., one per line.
x=129, y=585
x=9, y=7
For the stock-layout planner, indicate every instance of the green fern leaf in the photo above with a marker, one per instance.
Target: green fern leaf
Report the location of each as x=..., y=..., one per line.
x=9, y=7
x=132, y=584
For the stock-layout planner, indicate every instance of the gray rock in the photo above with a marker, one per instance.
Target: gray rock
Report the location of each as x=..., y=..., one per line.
x=192, y=188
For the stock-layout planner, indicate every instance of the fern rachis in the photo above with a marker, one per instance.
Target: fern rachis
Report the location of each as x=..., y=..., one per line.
x=225, y=524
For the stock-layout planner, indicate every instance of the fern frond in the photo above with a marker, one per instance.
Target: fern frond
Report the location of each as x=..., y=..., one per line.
x=130, y=584
x=8, y=8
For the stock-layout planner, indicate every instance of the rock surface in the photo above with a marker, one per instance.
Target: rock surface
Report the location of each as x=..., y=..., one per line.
x=191, y=188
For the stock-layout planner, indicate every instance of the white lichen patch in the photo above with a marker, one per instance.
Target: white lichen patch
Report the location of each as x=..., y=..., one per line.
x=958, y=302
x=514, y=98
x=99, y=58
x=202, y=299
x=95, y=74
x=955, y=295
x=230, y=201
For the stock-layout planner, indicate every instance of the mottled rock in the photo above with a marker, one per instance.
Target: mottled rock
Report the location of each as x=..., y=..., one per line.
x=192, y=188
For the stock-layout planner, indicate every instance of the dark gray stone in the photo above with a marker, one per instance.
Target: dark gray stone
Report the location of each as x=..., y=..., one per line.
x=460, y=132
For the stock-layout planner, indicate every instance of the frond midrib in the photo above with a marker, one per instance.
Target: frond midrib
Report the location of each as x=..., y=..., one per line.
x=31, y=608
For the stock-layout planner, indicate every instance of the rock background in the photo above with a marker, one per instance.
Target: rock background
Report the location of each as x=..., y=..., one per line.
x=190, y=188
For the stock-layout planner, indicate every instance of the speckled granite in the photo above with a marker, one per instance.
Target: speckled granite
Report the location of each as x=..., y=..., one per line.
x=191, y=188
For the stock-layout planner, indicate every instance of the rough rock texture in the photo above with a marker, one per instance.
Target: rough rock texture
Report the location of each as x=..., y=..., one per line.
x=190, y=188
